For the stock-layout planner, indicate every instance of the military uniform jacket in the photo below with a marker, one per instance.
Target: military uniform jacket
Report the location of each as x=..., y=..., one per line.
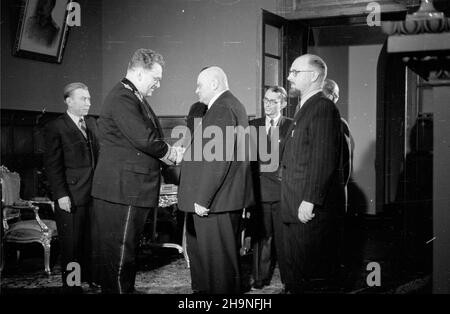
x=131, y=143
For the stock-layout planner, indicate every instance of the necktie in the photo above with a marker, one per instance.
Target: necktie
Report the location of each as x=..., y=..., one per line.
x=82, y=125
x=270, y=128
x=269, y=136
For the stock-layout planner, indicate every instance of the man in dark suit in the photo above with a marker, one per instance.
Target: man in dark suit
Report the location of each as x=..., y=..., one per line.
x=71, y=150
x=312, y=189
x=265, y=217
x=127, y=178
x=331, y=90
x=215, y=186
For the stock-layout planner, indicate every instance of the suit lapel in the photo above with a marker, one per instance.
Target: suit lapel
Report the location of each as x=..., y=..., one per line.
x=72, y=126
x=144, y=105
x=283, y=127
x=152, y=116
x=206, y=115
x=299, y=114
x=259, y=123
x=91, y=140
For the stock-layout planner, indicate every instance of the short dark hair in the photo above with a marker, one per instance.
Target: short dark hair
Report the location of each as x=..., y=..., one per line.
x=70, y=88
x=145, y=58
x=279, y=90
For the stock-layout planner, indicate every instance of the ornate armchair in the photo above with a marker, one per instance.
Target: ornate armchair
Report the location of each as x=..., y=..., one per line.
x=18, y=229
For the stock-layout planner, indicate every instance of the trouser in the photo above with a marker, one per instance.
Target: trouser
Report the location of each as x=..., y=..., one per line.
x=213, y=247
x=268, y=242
x=116, y=230
x=312, y=253
x=74, y=241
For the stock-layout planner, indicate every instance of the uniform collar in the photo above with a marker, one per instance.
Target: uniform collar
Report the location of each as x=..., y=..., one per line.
x=129, y=85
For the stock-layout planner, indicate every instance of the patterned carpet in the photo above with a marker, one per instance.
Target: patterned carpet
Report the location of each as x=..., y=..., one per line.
x=161, y=271
x=164, y=271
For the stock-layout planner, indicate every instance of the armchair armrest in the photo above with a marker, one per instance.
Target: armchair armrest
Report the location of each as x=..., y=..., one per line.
x=43, y=201
x=9, y=213
x=34, y=210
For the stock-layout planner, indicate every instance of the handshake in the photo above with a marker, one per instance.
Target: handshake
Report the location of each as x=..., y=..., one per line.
x=174, y=155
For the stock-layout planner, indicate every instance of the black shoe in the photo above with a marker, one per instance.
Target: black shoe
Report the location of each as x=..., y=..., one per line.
x=258, y=285
x=94, y=285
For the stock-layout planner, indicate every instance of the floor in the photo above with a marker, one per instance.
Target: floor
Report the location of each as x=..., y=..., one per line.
x=164, y=271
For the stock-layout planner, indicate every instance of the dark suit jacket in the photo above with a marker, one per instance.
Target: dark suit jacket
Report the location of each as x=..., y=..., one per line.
x=224, y=185
x=70, y=159
x=312, y=160
x=197, y=110
x=348, y=149
x=131, y=143
x=268, y=184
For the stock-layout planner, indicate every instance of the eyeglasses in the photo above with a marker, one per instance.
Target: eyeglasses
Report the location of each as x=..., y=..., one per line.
x=271, y=101
x=296, y=72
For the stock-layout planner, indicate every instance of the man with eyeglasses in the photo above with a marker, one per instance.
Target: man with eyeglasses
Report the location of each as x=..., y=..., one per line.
x=265, y=217
x=127, y=178
x=312, y=189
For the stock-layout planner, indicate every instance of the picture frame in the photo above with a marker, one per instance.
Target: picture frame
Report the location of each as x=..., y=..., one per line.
x=42, y=31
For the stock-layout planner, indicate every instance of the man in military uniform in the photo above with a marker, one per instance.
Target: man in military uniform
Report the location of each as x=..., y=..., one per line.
x=127, y=179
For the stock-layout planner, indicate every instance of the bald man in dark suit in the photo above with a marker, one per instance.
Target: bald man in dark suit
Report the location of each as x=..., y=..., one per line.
x=213, y=191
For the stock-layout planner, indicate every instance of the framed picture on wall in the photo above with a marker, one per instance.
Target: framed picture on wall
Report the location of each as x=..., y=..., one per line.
x=42, y=30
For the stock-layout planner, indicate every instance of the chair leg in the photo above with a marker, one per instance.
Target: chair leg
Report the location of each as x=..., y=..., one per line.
x=46, y=244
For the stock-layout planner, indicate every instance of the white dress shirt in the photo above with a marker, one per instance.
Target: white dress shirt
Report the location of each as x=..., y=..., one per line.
x=76, y=119
x=275, y=121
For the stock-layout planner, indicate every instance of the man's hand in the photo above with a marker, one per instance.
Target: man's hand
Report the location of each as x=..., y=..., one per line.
x=64, y=203
x=171, y=156
x=180, y=153
x=305, y=211
x=200, y=210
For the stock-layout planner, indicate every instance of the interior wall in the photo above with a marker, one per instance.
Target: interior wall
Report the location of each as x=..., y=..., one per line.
x=336, y=58
x=441, y=186
x=362, y=116
x=35, y=85
x=190, y=35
